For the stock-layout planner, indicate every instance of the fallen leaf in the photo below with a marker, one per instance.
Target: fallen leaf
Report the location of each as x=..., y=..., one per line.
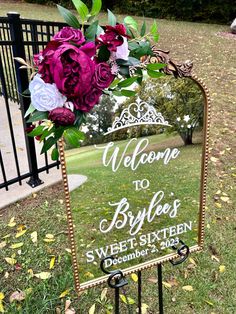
x=48, y=240
x=225, y=199
x=10, y=260
x=17, y=296
x=152, y=279
x=6, y=236
x=64, y=293
x=134, y=277
x=213, y=159
x=218, y=205
x=68, y=250
x=34, y=237
x=1, y=307
x=12, y=222
x=103, y=293
x=192, y=261
x=3, y=244
x=52, y=262
x=92, y=309
x=20, y=233
x=28, y=291
x=16, y=245
x=43, y=275
x=187, y=288
x=127, y=300
x=222, y=268
x=49, y=236
x=67, y=308
x=2, y=296
x=214, y=258
x=88, y=274
x=210, y=303
x=166, y=284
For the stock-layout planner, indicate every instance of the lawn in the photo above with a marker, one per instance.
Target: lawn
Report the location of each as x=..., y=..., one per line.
x=211, y=274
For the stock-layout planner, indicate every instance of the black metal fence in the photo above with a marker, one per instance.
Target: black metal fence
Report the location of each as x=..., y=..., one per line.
x=21, y=38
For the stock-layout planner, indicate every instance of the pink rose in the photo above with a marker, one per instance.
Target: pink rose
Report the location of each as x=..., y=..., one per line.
x=62, y=116
x=88, y=101
x=68, y=34
x=43, y=60
x=113, y=37
x=103, y=76
x=72, y=70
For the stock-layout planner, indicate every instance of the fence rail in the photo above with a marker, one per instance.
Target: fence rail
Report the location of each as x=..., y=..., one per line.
x=21, y=38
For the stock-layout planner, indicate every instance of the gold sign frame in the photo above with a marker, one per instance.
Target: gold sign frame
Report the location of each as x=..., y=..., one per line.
x=177, y=70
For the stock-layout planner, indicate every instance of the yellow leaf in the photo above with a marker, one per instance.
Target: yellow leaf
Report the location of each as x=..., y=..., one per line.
x=127, y=300
x=192, y=261
x=64, y=293
x=104, y=293
x=2, y=296
x=134, y=277
x=49, y=236
x=3, y=244
x=6, y=236
x=225, y=199
x=16, y=245
x=222, y=268
x=30, y=271
x=166, y=284
x=10, y=260
x=43, y=275
x=12, y=222
x=144, y=308
x=92, y=309
x=34, y=236
x=210, y=303
x=1, y=308
x=52, y=262
x=20, y=233
x=187, y=288
x=48, y=240
x=28, y=291
x=88, y=274
x=218, y=205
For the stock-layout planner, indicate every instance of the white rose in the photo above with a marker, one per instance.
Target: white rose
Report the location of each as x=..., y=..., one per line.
x=122, y=51
x=45, y=96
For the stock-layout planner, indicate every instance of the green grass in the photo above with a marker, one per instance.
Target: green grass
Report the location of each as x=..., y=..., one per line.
x=180, y=176
x=214, y=292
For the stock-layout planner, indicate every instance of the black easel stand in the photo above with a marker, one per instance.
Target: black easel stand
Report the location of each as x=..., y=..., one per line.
x=117, y=281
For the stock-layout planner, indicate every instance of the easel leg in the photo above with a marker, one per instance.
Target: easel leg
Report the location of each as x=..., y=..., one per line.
x=160, y=291
x=117, y=301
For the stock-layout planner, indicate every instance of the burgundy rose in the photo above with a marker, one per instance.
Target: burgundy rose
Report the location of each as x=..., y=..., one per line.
x=62, y=116
x=113, y=37
x=68, y=34
x=44, y=59
x=30, y=128
x=88, y=101
x=103, y=76
x=72, y=70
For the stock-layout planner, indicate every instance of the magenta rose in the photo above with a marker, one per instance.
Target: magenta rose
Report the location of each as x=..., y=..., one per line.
x=44, y=59
x=69, y=34
x=72, y=70
x=88, y=101
x=103, y=76
x=62, y=116
x=113, y=37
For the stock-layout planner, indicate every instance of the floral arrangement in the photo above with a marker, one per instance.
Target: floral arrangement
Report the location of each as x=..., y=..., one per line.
x=80, y=64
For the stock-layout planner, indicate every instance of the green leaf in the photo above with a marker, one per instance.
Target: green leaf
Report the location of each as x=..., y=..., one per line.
x=73, y=136
x=68, y=17
x=103, y=54
x=99, y=30
x=29, y=110
x=91, y=31
x=55, y=154
x=128, y=81
x=82, y=9
x=49, y=142
x=154, y=74
x=131, y=22
x=117, y=93
x=59, y=132
x=128, y=93
x=37, y=116
x=143, y=29
x=114, y=83
x=96, y=7
x=154, y=32
x=111, y=18
x=156, y=66
x=36, y=131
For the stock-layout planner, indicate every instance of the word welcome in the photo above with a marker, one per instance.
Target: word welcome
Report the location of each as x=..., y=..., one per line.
x=123, y=216
x=113, y=157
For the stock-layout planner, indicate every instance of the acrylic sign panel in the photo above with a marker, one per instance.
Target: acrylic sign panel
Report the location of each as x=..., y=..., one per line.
x=139, y=181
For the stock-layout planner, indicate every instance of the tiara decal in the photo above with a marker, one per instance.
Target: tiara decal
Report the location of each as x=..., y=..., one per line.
x=138, y=113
